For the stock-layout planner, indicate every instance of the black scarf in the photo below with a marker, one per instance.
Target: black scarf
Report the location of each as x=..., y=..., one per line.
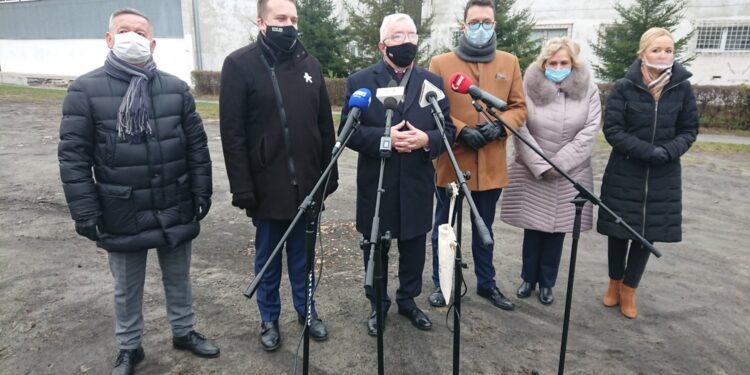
x=468, y=52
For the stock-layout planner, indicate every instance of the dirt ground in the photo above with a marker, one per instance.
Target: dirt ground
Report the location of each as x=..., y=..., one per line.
x=56, y=312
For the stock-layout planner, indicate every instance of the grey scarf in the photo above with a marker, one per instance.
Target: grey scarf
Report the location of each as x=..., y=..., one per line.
x=471, y=53
x=132, y=116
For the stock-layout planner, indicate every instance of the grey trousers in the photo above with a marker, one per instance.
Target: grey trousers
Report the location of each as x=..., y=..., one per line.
x=129, y=272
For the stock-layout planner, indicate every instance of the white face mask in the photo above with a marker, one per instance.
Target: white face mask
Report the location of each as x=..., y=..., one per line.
x=132, y=48
x=657, y=66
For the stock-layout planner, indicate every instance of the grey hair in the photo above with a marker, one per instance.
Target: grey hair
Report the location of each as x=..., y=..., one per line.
x=391, y=19
x=133, y=11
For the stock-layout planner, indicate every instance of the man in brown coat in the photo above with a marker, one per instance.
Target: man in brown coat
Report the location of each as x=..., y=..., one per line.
x=479, y=146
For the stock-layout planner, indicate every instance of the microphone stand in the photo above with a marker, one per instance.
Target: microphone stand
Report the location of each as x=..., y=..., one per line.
x=584, y=195
x=377, y=243
x=487, y=241
x=306, y=208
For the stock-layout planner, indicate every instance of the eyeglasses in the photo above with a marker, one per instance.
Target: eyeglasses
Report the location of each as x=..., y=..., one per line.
x=401, y=37
x=487, y=25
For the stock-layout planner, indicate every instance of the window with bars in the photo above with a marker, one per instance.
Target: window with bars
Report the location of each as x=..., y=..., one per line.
x=723, y=38
x=455, y=36
x=541, y=36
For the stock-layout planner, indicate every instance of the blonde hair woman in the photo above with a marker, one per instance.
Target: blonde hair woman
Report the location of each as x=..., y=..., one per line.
x=651, y=120
x=564, y=116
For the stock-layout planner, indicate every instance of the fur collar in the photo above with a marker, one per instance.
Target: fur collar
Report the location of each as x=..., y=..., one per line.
x=543, y=91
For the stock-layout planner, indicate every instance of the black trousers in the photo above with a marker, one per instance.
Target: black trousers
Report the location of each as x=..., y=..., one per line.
x=411, y=257
x=629, y=271
x=541, y=257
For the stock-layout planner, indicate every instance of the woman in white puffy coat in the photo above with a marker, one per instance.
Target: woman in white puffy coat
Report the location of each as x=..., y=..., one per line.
x=564, y=113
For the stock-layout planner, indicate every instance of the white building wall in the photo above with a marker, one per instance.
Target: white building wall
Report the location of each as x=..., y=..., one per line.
x=225, y=25
x=73, y=57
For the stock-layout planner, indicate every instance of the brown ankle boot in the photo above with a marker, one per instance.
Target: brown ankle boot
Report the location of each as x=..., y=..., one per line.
x=612, y=296
x=627, y=302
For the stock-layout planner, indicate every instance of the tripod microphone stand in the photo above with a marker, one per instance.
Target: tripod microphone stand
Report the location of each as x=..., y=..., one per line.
x=584, y=195
x=306, y=209
x=478, y=222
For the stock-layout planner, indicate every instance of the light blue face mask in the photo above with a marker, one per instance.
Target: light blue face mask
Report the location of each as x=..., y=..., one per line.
x=480, y=36
x=555, y=75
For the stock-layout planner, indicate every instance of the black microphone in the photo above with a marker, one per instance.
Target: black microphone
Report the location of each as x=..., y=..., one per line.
x=462, y=84
x=358, y=104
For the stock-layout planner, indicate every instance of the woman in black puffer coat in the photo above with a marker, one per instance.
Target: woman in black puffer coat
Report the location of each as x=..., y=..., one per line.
x=651, y=120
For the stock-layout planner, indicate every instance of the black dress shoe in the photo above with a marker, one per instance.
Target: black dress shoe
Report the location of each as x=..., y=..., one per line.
x=545, y=296
x=524, y=291
x=196, y=343
x=372, y=323
x=418, y=318
x=269, y=335
x=126, y=361
x=436, y=299
x=317, y=329
x=497, y=298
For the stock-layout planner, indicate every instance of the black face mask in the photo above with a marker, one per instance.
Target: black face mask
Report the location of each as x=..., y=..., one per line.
x=282, y=37
x=402, y=55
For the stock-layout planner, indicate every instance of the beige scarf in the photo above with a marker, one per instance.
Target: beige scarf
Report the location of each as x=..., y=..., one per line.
x=655, y=84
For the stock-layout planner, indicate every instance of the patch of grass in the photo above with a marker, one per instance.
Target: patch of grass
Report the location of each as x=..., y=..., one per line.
x=25, y=93
x=697, y=146
x=207, y=110
x=720, y=147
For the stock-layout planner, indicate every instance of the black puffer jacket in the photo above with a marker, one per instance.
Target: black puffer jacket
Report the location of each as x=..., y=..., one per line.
x=648, y=197
x=143, y=192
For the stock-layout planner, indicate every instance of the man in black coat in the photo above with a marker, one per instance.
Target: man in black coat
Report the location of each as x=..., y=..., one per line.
x=151, y=182
x=277, y=132
x=409, y=177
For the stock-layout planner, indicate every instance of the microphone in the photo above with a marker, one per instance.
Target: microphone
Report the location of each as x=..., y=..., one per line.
x=358, y=104
x=462, y=84
x=392, y=91
x=430, y=95
x=390, y=96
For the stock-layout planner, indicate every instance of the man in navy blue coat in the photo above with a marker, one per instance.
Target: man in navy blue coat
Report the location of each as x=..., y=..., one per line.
x=409, y=177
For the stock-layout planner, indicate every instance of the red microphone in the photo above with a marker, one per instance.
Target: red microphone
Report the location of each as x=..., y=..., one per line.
x=462, y=84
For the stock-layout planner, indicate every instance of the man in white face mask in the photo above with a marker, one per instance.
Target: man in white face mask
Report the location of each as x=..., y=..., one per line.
x=136, y=171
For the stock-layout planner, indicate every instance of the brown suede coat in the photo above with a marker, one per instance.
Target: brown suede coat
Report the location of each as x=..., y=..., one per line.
x=501, y=78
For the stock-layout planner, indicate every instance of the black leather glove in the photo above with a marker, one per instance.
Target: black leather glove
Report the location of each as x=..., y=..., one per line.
x=472, y=138
x=491, y=131
x=89, y=228
x=244, y=200
x=201, y=205
x=659, y=156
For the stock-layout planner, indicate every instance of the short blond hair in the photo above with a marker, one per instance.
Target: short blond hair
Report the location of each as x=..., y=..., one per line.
x=650, y=36
x=554, y=45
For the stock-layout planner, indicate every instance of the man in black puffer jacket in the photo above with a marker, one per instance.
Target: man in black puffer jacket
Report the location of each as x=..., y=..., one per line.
x=151, y=183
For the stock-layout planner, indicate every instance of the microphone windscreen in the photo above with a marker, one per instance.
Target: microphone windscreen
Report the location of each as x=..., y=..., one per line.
x=390, y=103
x=460, y=83
x=392, y=83
x=360, y=99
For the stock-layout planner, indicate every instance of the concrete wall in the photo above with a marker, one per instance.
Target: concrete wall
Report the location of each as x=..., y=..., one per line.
x=73, y=57
x=225, y=25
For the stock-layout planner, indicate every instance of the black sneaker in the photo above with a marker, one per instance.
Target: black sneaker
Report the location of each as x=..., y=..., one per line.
x=126, y=361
